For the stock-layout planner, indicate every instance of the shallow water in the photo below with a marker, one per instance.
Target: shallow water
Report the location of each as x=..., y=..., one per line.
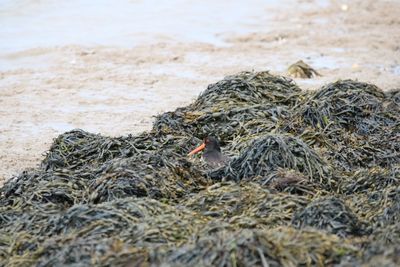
x=32, y=23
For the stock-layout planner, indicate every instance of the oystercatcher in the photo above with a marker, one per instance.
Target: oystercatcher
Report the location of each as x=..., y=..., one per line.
x=212, y=152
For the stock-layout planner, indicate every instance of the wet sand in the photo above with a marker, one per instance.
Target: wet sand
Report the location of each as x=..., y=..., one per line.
x=116, y=90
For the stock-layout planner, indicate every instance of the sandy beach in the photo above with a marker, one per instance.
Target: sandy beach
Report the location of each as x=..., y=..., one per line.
x=116, y=88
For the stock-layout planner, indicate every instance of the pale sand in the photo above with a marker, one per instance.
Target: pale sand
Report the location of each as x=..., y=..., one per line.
x=115, y=91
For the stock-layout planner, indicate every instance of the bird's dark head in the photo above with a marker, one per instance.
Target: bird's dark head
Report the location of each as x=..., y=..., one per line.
x=210, y=144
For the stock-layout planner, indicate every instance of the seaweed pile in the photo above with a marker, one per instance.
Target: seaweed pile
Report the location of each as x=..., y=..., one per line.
x=300, y=69
x=313, y=180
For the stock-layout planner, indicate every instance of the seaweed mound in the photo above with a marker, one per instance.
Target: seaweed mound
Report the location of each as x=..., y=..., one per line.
x=332, y=215
x=351, y=105
x=313, y=180
x=239, y=105
x=249, y=88
x=271, y=152
x=246, y=205
x=349, y=120
x=279, y=247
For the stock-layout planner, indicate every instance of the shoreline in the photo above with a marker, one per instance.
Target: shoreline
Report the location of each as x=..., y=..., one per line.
x=117, y=91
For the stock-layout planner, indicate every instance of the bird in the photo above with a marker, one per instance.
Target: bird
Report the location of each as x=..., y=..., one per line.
x=212, y=152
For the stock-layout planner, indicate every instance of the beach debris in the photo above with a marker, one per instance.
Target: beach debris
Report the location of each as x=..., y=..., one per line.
x=300, y=69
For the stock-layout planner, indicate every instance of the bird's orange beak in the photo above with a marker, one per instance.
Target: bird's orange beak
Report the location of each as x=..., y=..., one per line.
x=198, y=149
